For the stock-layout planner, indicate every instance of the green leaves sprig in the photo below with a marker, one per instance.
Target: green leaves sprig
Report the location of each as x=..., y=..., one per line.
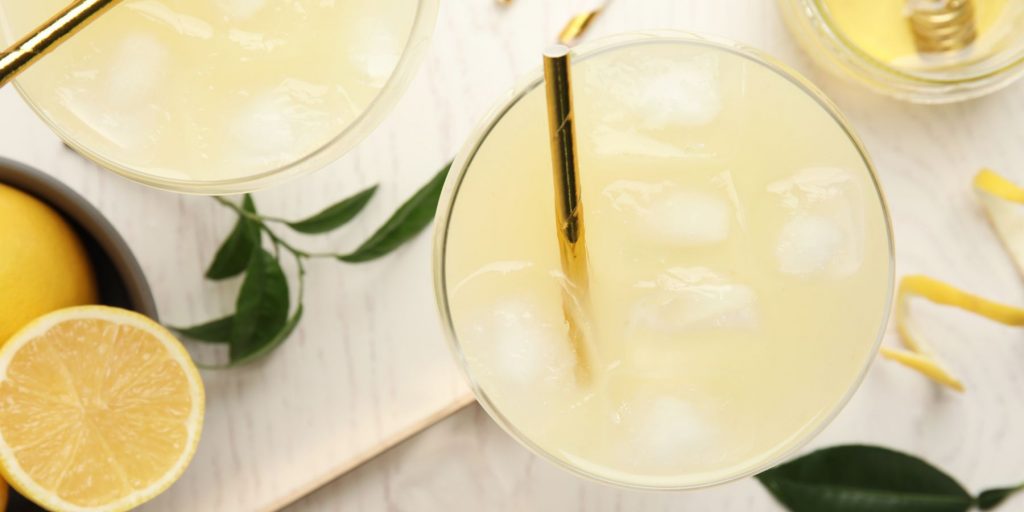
x=856, y=478
x=261, y=320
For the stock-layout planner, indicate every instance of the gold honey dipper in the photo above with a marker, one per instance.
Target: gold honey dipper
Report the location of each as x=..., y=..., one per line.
x=941, y=25
x=49, y=35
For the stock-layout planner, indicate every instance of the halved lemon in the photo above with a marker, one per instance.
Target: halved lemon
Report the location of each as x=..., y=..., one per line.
x=100, y=409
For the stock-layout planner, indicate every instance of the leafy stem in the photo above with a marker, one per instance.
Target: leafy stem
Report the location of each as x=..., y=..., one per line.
x=256, y=217
x=260, y=221
x=261, y=320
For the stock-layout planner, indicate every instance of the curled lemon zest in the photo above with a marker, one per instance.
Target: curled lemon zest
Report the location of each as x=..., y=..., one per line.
x=947, y=295
x=1000, y=198
x=990, y=182
x=926, y=365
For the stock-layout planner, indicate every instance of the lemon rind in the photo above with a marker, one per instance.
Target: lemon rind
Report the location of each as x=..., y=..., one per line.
x=998, y=197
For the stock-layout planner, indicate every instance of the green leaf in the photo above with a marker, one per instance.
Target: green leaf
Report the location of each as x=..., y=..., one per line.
x=335, y=216
x=214, y=331
x=991, y=498
x=233, y=256
x=411, y=218
x=261, y=311
x=274, y=342
x=864, y=479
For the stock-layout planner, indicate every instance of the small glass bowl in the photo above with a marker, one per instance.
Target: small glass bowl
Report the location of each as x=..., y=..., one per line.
x=412, y=54
x=959, y=77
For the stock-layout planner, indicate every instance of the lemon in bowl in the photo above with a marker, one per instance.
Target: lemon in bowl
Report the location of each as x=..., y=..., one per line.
x=44, y=265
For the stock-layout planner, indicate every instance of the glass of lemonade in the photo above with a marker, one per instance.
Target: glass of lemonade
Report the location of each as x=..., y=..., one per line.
x=741, y=264
x=222, y=96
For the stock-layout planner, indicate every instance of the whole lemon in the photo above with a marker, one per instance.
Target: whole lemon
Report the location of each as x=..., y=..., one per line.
x=43, y=264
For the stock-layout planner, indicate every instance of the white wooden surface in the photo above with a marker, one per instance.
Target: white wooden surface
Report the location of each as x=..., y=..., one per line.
x=369, y=359
x=926, y=157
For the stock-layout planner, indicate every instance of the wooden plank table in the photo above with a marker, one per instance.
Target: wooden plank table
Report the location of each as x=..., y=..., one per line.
x=369, y=362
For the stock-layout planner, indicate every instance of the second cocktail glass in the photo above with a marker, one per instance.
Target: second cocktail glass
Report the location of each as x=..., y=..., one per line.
x=222, y=96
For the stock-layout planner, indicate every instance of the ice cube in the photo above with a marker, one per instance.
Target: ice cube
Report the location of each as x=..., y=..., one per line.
x=658, y=91
x=375, y=52
x=263, y=129
x=684, y=93
x=181, y=23
x=275, y=125
x=817, y=185
x=724, y=181
x=613, y=140
x=502, y=267
x=137, y=66
x=241, y=9
x=664, y=431
x=682, y=299
x=689, y=218
x=825, y=233
x=117, y=100
x=135, y=129
x=522, y=345
x=254, y=41
x=808, y=244
x=631, y=196
x=674, y=216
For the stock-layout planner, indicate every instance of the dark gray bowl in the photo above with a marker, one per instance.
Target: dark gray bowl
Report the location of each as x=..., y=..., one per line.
x=118, y=275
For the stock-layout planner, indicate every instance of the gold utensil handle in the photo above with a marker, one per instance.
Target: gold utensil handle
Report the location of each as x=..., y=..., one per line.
x=48, y=35
x=942, y=26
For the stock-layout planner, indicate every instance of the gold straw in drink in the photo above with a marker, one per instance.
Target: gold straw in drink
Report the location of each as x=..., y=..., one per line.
x=48, y=36
x=568, y=207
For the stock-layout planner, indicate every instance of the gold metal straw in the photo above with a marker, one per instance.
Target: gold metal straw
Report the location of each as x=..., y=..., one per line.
x=942, y=25
x=579, y=24
x=568, y=206
x=48, y=36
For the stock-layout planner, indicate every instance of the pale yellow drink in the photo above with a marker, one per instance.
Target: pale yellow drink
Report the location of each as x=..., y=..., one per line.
x=740, y=258
x=214, y=91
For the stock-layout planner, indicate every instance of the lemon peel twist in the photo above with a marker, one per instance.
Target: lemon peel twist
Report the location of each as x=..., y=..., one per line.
x=1001, y=199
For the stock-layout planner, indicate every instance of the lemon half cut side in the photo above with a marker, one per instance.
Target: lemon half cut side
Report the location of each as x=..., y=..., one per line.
x=101, y=409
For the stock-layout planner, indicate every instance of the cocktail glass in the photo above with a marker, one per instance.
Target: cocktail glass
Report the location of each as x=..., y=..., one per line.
x=741, y=264
x=222, y=96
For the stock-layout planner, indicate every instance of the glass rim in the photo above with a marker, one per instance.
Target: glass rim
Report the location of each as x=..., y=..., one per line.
x=480, y=134
x=343, y=141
